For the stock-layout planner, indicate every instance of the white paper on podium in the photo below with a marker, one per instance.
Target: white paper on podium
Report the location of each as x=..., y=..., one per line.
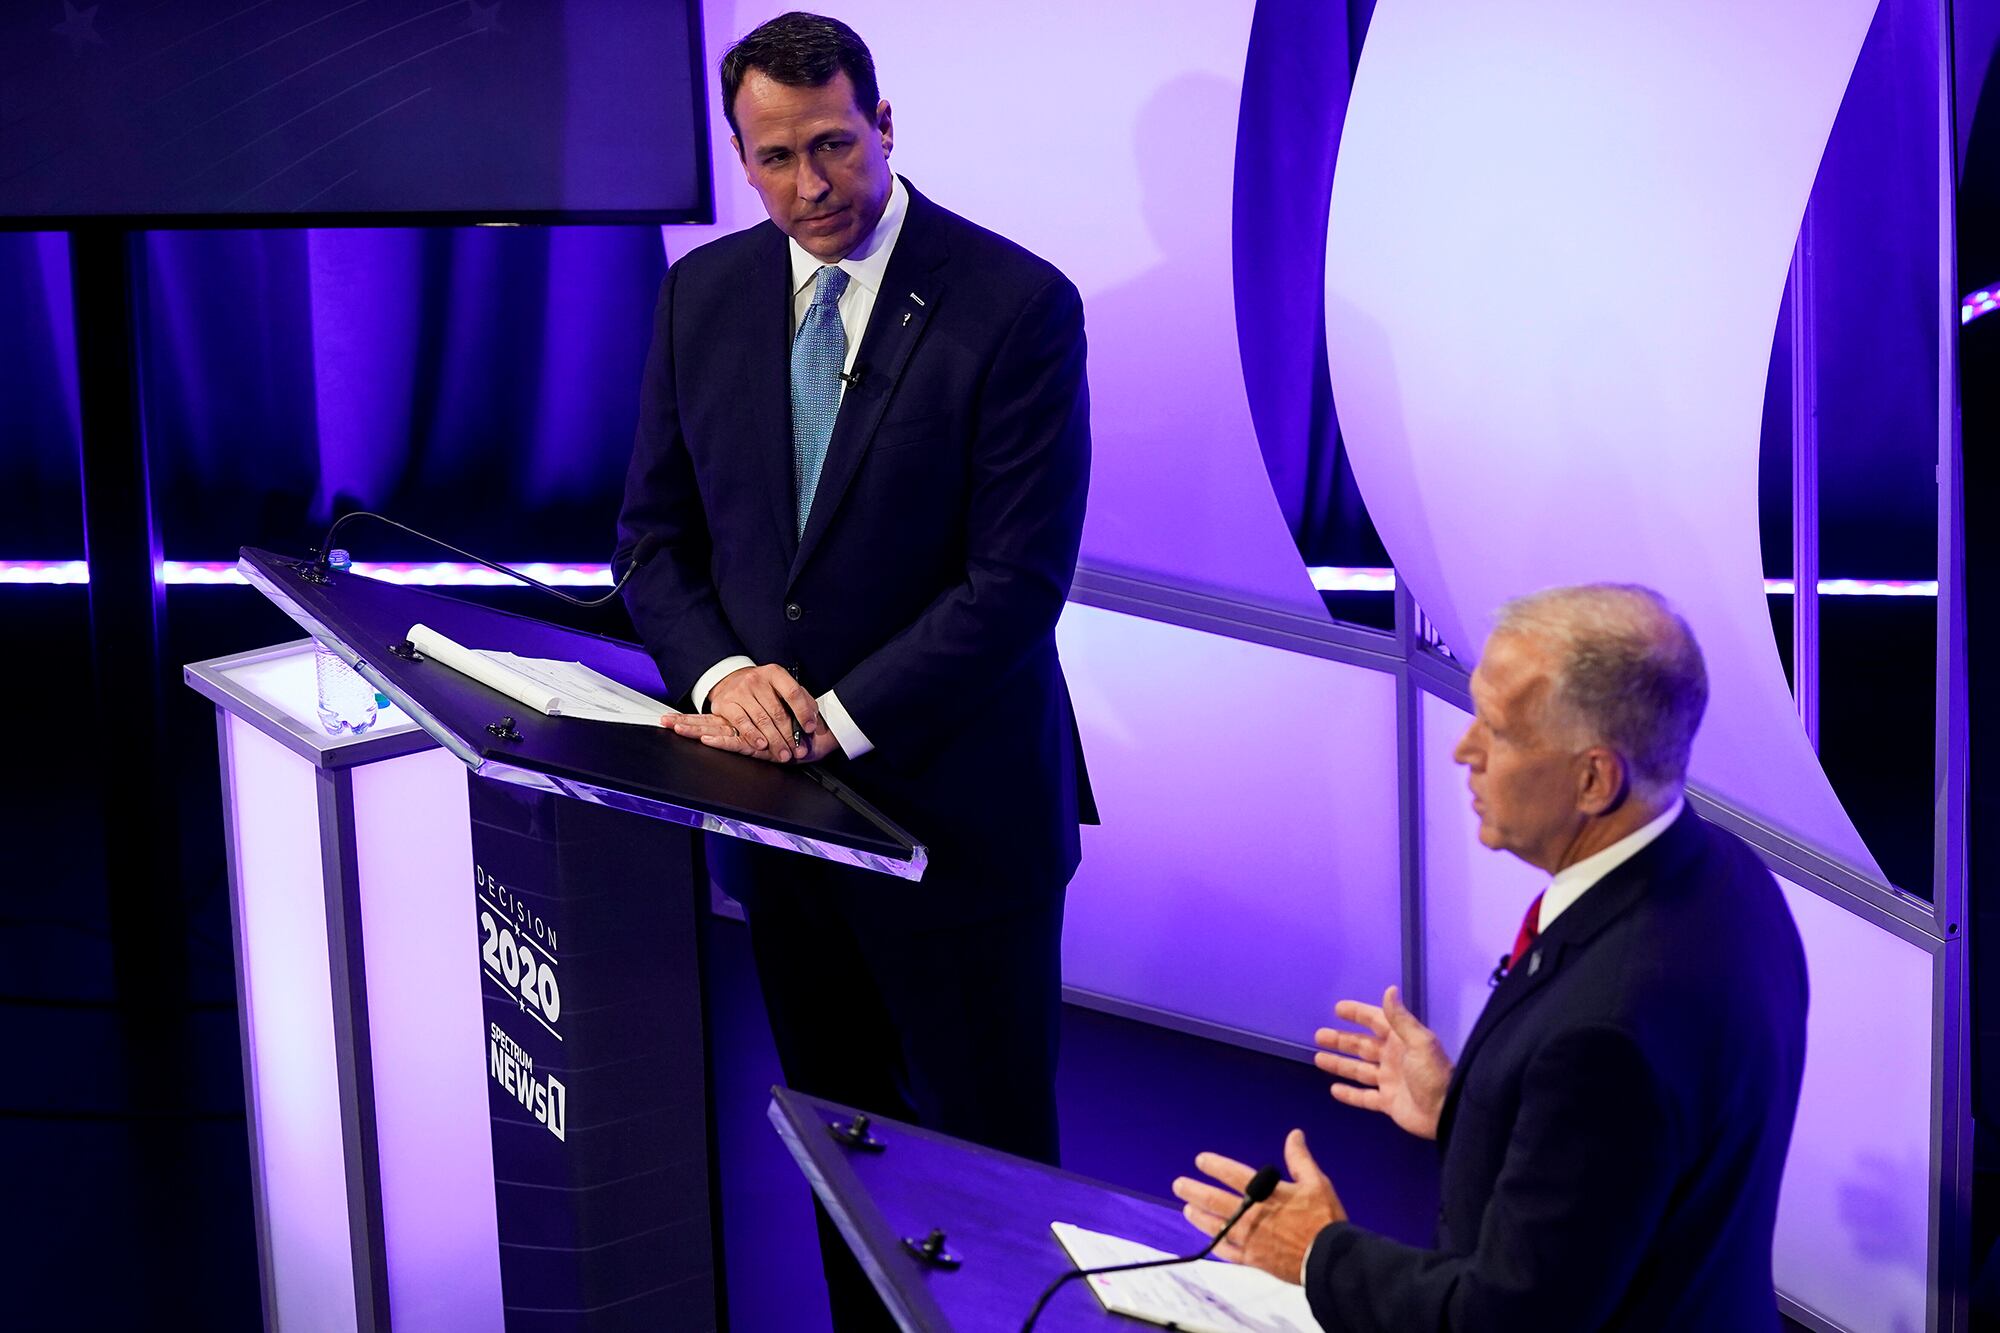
x=1207, y=1296
x=557, y=689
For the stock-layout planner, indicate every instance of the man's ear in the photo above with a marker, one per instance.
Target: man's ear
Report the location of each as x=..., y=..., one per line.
x=1603, y=784
x=737, y=144
x=885, y=126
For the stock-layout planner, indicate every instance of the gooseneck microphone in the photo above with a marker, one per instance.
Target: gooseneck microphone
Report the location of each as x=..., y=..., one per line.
x=1258, y=1190
x=645, y=549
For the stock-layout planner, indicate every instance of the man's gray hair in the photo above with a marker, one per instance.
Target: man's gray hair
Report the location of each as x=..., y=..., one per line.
x=1628, y=672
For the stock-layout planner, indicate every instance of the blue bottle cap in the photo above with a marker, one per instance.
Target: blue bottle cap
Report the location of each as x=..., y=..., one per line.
x=337, y=558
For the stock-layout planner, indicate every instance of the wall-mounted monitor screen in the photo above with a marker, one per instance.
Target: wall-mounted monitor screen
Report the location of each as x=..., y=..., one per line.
x=331, y=112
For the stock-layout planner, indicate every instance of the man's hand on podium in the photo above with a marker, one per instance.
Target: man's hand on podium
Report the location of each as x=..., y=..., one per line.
x=719, y=734
x=750, y=711
x=1399, y=1064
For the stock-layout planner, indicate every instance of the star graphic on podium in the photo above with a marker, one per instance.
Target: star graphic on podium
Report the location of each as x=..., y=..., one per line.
x=80, y=26
x=483, y=18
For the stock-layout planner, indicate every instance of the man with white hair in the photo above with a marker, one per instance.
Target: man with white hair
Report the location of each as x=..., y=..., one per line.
x=1613, y=1135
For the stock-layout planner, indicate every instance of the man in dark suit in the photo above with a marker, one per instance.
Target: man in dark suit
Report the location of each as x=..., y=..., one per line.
x=863, y=452
x=1614, y=1134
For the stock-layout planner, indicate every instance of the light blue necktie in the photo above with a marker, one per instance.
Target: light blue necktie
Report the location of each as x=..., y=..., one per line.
x=819, y=351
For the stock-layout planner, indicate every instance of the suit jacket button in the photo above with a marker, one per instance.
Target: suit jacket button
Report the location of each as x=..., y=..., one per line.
x=793, y=610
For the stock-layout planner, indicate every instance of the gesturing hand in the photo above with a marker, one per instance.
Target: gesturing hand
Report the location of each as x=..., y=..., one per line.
x=1273, y=1235
x=1399, y=1065
x=750, y=711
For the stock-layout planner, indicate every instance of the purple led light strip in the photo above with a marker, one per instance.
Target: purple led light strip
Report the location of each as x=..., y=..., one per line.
x=46, y=572
x=198, y=573
x=1331, y=578
x=450, y=574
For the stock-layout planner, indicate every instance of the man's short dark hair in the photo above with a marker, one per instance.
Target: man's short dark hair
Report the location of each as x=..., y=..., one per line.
x=800, y=50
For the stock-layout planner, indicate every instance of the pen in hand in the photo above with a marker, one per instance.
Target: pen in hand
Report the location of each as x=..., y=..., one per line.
x=798, y=730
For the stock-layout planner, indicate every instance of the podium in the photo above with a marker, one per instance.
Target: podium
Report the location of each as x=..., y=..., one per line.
x=469, y=977
x=887, y=1197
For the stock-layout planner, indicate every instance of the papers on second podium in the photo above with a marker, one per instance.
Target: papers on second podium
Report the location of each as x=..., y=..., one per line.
x=1207, y=1296
x=559, y=689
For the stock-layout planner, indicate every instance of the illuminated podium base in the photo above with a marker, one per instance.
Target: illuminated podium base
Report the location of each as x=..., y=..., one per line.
x=468, y=973
x=430, y=1148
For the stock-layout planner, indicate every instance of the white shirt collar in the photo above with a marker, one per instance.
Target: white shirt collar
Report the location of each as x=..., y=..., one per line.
x=1571, y=881
x=870, y=260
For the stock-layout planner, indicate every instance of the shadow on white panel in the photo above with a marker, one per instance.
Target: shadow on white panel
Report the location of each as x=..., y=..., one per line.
x=1854, y=1216
x=1247, y=871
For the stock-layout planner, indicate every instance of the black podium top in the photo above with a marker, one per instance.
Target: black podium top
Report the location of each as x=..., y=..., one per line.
x=994, y=1211
x=649, y=771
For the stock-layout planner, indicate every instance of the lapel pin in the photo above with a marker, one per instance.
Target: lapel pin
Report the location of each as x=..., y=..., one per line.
x=1534, y=962
x=918, y=299
x=906, y=317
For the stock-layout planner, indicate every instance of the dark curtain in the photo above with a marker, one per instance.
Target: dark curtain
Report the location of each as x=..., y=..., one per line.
x=481, y=382
x=41, y=502
x=478, y=382
x=1295, y=82
x=1874, y=270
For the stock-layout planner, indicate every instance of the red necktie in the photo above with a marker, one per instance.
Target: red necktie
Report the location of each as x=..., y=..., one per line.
x=1531, y=929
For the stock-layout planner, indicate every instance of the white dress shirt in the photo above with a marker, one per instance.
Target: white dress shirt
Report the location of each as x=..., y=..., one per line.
x=865, y=269
x=1571, y=881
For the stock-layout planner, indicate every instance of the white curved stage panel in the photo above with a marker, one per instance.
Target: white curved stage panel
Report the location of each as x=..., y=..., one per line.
x=1558, y=238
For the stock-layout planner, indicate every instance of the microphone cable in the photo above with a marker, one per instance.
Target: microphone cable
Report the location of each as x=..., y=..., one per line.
x=646, y=548
x=1258, y=1190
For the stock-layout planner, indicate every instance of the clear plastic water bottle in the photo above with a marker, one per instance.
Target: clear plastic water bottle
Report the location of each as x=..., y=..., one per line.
x=346, y=702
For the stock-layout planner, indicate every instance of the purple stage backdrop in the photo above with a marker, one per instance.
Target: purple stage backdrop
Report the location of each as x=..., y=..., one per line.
x=1558, y=237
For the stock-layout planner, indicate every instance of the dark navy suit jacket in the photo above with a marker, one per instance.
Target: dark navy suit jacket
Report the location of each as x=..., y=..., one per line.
x=1615, y=1130
x=937, y=556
